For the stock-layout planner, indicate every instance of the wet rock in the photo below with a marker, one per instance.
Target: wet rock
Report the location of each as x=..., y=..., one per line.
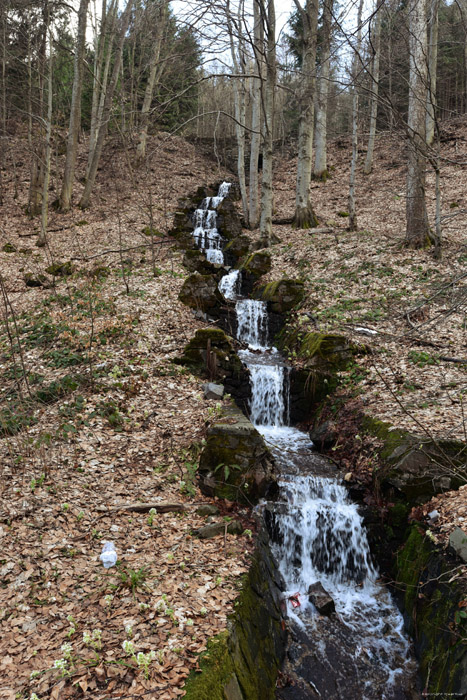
x=458, y=542
x=321, y=599
x=200, y=292
x=236, y=249
x=213, y=391
x=195, y=261
x=215, y=529
x=282, y=296
x=228, y=220
x=207, y=509
x=254, y=267
x=323, y=435
x=235, y=462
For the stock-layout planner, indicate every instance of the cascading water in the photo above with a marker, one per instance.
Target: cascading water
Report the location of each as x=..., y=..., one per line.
x=205, y=232
x=317, y=536
x=361, y=652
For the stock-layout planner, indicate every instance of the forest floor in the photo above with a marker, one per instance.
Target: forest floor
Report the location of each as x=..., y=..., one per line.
x=99, y=417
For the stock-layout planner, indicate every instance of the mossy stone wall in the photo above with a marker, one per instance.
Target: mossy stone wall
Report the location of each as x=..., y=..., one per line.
x=243, y=662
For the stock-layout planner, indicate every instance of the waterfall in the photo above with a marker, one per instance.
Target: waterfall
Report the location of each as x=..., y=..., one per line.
x=229, y=285
x=252, y=323
x=317, y=536
x=205, y=232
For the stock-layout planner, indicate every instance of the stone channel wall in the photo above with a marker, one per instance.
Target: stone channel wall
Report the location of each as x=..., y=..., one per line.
x=243, y=662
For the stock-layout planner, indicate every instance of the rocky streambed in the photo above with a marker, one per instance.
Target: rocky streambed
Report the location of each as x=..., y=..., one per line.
x=312, y=620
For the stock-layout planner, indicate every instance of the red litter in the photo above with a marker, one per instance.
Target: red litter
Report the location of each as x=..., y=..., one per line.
x=295, y=600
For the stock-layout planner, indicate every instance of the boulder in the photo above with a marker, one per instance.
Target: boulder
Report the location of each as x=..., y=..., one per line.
x=210, y=353
x=323, y=435
x=282, y=296
x=328, y=352
x=228, y=220
x=207, y=509
x=235, y=462
x=195, y=261
x=321, y=599
x=236, y=249
x=201, y=292
x=213, y=391
x=458, y=542
x=257, y=264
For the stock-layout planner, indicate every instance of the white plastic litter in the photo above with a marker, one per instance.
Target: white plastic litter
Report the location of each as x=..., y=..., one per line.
x=109, y=555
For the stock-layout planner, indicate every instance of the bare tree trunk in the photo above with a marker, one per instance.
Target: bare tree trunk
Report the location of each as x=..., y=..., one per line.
x=101, y=71
x=356, y=64
x=320, y=171
x=149, y=92
x=376, y=46
x=3, y=25
x=106, y=110
x=37, y=165
x=432, y=67
x=75, y=110
x=304, y=215
x=42, y=239
x=256, y=92
x=239, y=94
x=417, y=229
x=269, y=97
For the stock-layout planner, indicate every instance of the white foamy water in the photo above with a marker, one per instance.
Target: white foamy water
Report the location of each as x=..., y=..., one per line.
x=317, y=533
x=229, y=285
x=205, y=233
x=252, y=323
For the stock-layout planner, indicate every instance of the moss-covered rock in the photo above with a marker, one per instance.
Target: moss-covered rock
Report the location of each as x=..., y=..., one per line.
x=432, y=600
x=257, y=264
x=282, y=296
x=415, y=466
x=308, y=388
x=201, y=292
x=327, y=351
x=237, y=249
x=235, y=462
x=9, y=248
x=242, y=663
x=62, y=269
x=210, y=353
x=195, y=261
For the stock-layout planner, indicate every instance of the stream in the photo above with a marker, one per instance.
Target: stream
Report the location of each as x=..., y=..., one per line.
x=359, y=651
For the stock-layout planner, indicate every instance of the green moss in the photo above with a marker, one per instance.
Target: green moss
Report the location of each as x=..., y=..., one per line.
x=216, y=669
x=283, y=295
x=431, y=599
x=60, y=269
x=257, y=264
x=9, y=248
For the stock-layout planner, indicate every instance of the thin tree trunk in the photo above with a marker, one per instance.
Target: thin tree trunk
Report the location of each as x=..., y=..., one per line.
x=376, y=45
x=417, y=229
x=238, y=65
x=101, y=72
x=256, y=92
x=149, y=92
x=304, y=215
x=38, y=160
x=269, y=98
x=432, y=68
x=75, y=111
x=42, y=239
x=353, y=166
x=3, y=25
x=320, y=171
x=106, y=110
